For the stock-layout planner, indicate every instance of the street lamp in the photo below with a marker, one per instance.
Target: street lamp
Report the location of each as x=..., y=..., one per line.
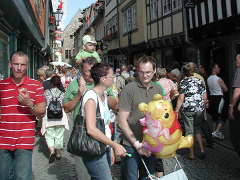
x=58, y=16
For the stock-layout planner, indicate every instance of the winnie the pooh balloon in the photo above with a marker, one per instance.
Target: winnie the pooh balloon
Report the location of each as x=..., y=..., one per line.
x=162, y=133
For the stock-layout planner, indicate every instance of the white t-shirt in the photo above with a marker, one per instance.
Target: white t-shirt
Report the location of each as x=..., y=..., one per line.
x=104, y=110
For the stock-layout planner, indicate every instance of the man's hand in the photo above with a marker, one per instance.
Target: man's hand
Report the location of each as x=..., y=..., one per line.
x=141, y=150
x=23, y=97
x=81, y=89
x=230, y=113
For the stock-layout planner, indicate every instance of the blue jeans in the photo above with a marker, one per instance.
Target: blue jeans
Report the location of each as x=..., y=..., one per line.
x=131, y=165
x=99, y=167
x=16, y=164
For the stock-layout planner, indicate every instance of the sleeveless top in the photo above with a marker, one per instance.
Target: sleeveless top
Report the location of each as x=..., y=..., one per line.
x=214, y=88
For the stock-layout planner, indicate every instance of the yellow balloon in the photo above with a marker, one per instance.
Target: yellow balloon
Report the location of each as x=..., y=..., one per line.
x=162, y=132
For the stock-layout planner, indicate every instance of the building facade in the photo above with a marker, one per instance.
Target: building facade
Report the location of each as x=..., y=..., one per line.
x=68, y=38
x=24, y=27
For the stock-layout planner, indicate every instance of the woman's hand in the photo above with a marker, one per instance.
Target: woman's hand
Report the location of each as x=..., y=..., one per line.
x=119, y=150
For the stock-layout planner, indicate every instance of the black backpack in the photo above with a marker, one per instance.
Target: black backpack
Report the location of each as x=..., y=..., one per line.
x=54, y=110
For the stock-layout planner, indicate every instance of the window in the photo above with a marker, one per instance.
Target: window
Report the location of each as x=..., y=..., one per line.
x=166, y=6
x=99, y=34
x=107, y=1
x=130, y=19
x=169, y=5
x=71, y=36
x=124, y=22
x=176, y=4
x=39, y=8
x=67, y=54
x=114, y=24
x=111, y=26
x=120, y=1
x=153, y=9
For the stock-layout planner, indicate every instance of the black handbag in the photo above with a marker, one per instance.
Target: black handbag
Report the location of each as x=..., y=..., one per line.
x=80, y=143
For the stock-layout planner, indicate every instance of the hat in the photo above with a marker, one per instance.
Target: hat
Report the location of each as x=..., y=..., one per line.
x=88, y=39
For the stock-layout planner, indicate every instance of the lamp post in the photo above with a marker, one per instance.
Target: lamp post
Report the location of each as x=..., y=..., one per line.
x=58, y=16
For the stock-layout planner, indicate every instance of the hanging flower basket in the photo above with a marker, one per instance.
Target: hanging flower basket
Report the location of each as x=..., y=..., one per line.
x=51, y=20
x=114, y=35
x=111, y=36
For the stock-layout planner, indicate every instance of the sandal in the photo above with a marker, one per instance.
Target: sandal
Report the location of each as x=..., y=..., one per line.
x=52, y=158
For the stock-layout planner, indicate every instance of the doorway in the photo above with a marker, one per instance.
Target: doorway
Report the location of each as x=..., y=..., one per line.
x=217, y=53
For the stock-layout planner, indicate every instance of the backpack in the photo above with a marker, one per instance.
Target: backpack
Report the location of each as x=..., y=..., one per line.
x=54, y=110
x=174, y=79
x=128, y=80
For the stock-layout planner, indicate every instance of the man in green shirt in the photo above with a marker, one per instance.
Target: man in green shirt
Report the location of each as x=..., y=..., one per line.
x=71, y=102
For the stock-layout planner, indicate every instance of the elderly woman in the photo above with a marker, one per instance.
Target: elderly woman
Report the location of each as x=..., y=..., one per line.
x=99, y=167
x=167, y=84
x=191, y=100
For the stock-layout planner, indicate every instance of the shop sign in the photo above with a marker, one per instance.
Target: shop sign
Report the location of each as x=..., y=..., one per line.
x=189, y=4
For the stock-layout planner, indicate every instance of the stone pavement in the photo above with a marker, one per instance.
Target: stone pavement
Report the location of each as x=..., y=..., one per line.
x=220, y=164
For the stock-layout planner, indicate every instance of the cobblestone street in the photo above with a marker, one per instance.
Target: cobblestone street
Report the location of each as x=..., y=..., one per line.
x=220, y=164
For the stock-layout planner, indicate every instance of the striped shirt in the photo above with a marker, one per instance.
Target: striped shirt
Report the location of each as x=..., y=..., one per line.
x=17, y=124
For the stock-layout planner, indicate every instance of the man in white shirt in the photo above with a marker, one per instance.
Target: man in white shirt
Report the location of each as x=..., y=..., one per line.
x=216, y=87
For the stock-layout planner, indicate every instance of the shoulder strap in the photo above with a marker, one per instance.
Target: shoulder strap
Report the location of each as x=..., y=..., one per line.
x=174, y=76
x=168, y=76
x=98, y=114
x=51, y=93
x=123, y=77
x=59, y=94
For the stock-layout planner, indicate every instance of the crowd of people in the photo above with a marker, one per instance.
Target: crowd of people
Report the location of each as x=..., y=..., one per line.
x=194, y=95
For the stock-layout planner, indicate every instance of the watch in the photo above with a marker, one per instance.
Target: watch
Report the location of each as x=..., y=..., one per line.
x=230, y=105
x=32, y=107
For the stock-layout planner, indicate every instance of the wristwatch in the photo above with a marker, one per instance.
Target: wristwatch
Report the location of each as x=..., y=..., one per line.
x=32, y=107
x=230, y=105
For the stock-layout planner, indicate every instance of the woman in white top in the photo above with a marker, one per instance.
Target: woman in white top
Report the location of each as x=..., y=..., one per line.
x=53, y=129
x=99, y=167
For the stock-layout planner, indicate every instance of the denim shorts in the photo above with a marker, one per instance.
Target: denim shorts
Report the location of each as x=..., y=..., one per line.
x=99, y=167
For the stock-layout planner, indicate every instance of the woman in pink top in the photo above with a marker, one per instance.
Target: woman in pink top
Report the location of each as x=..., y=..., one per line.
x=167, y=84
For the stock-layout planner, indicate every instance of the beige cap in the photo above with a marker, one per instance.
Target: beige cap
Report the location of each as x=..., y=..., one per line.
x=88, y=38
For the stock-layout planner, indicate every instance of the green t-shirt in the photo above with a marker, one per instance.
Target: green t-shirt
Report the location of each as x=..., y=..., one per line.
x=84, y=53
x=72, y=90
